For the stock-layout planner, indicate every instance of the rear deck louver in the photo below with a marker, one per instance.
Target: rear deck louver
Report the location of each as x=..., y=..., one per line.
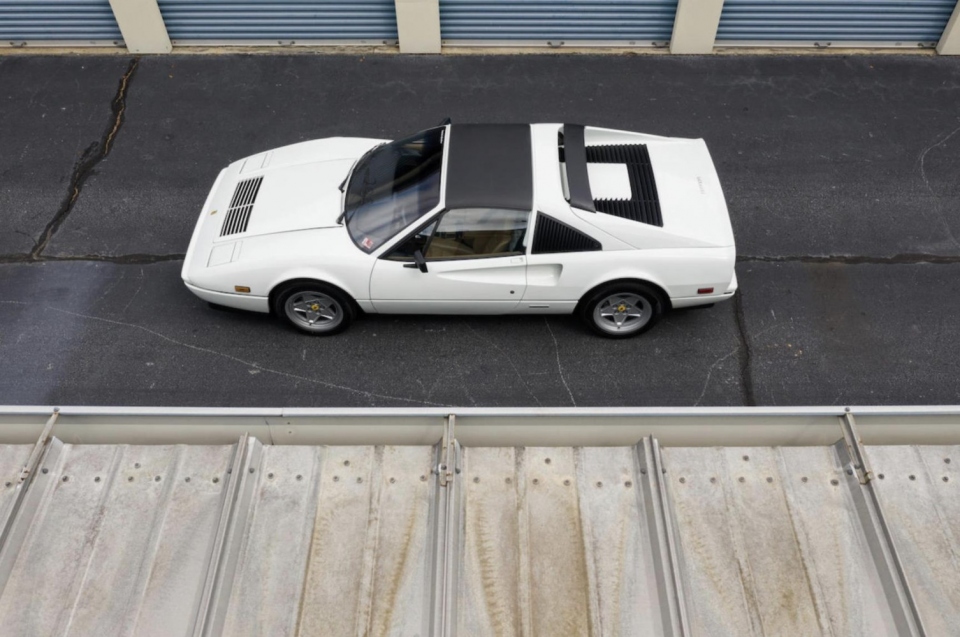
x=644, y=204
x=238, y=214
x=551, y=236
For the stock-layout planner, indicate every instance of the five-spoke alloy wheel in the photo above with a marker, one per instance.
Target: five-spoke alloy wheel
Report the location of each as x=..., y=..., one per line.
x=621, y=310
x=314, y=308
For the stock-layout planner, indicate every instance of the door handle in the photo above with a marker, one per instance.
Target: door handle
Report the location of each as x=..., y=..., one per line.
x=516, y=260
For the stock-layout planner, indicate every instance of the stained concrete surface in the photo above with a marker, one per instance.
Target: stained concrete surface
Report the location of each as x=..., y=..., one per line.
x=840, y=173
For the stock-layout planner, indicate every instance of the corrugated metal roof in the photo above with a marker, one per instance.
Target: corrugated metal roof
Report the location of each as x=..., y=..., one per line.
x=253, y=539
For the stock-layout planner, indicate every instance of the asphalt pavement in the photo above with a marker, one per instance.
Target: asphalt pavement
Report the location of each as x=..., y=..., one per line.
x=842, y=175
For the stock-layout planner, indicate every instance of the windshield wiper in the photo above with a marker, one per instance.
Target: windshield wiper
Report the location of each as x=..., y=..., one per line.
x=343, y=184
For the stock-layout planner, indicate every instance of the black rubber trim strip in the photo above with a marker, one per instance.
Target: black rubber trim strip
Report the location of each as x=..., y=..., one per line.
x=490, y=166
x=575, y=153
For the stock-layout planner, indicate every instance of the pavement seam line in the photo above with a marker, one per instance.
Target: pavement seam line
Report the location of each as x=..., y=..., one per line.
x=897, y=259
x=91, y=156
x=746, y=372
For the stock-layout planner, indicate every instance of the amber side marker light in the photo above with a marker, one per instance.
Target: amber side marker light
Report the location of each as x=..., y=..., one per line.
x=241, y=288
x=700, y=291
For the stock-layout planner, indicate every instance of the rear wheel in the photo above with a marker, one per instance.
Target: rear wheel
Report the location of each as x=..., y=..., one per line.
x=314, y=308
x=621, y=310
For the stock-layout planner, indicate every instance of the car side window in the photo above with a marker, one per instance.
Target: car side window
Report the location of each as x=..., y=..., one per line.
x=469, y=233
x=404, y=251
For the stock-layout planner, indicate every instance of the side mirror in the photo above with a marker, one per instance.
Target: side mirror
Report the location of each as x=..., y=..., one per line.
x=420, y=261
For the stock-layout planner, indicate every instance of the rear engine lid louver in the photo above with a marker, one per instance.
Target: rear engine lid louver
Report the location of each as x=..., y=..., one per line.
x=644, y=204
x=241, y=205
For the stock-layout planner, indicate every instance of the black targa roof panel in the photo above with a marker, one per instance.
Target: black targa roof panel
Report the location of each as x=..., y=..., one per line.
x=490, y=166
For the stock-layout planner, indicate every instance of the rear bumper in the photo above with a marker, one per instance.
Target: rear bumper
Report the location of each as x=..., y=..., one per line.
x=707, y=299
x=238, y=301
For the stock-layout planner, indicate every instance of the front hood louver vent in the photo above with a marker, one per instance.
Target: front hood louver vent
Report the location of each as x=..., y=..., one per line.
x=241, y=205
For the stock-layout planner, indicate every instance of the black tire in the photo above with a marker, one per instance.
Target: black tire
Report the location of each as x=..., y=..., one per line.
x=640, y=307
x=323, y=309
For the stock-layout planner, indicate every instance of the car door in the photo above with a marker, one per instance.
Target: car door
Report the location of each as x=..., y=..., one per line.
x=475, y=262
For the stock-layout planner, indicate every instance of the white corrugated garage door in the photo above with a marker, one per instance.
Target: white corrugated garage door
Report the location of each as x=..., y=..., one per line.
x=280, y=21
x=557, y=22
x=832, y=22
x=51, y=22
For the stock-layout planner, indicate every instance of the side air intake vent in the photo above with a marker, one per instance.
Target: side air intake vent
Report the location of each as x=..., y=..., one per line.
x=238, y=214
x=551, y=236
x=644, y=204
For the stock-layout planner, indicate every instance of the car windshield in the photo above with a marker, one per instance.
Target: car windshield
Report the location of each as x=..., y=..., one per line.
x=392, y=186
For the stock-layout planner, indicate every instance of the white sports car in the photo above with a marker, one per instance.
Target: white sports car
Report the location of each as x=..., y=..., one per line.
x=617, y=227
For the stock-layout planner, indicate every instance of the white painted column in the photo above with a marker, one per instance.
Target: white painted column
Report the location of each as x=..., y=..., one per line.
x=695, y=27
x=141, y=25
x=950, y=40
x=418, y=23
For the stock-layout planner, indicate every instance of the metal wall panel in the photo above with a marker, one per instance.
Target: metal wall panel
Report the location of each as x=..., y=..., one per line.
x=12, y=460
x=920, y=494
x=908, y=22
x=60, y=20
x=554, y=543
x=624, y=21
x=280, y=21
x=771, y=544
x=119, y=543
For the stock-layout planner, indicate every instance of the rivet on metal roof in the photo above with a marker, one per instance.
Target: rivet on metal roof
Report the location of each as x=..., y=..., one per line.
x=299, y=477
x=834, y=482
x=336, y=478
x=476, y=479
x=769, y=479
x=683, y=480
x=628, y=484
x=913, y=477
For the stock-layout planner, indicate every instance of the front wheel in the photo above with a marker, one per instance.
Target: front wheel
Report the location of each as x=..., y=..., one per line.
x=314, y=308
x=621, y=310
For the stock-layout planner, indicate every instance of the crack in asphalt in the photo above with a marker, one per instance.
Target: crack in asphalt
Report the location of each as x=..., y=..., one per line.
x=91, y=156
x=746, y=373
x=125, y=259
x=898, y=259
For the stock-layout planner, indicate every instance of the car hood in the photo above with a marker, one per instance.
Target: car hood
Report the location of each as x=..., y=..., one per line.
x=290, y=188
